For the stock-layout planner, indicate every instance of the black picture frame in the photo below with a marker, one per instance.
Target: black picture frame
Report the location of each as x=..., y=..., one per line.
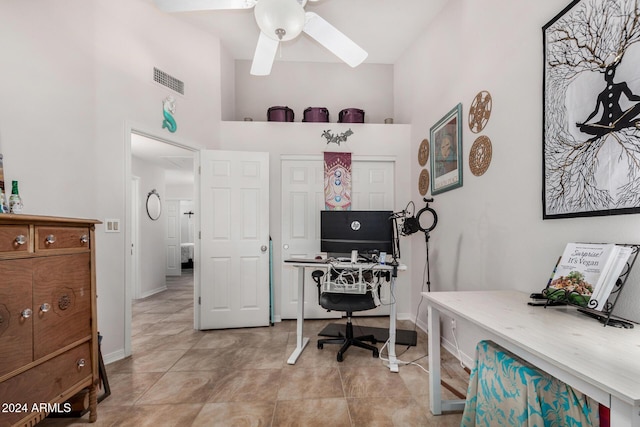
x=591, y=148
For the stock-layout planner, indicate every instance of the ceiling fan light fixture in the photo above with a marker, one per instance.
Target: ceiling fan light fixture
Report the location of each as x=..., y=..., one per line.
x=280, y=20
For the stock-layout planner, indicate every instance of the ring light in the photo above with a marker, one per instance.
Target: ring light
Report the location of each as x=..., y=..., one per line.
x=434, y=219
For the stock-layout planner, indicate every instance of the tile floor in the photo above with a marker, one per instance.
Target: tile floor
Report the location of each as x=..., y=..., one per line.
x=178, y=376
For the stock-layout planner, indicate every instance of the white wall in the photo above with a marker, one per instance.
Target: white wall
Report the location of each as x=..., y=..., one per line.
x=76, y=76
x=306, y=138
x=180, y=191
x=227, y=85
x=48, y=112
x=490, y=233
x=299, y=85
x=152, y=247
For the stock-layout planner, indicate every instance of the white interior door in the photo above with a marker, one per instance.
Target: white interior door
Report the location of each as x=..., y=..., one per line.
x=234, y=245
x=302, y=200
x=174, y=266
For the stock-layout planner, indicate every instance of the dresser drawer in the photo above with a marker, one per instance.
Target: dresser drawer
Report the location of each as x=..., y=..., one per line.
x=61, y=301
x=53, y=238
x=16, y=316
x=47, y=382
x=14, y=238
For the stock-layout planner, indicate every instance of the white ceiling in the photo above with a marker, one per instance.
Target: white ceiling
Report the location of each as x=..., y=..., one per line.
x=384, y=28
x=177, y=162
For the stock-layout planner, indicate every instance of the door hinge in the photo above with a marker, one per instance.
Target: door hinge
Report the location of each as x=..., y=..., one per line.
x=199, y=235
x=199, y=300
x=199, y=170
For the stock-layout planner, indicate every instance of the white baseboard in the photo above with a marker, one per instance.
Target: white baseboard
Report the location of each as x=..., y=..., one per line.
x=405, y=316
x=113, y=357
x=153, y=292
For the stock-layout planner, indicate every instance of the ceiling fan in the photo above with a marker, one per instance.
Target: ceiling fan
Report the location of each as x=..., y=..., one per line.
x=278, y=20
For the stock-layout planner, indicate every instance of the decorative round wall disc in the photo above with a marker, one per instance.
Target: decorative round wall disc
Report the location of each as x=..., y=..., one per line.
x=423, y=152
x=480, y=155
x=480, y=111
x=423, y=182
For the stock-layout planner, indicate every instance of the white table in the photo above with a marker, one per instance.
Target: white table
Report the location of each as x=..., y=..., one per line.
x=302, y=341
x=602, y=362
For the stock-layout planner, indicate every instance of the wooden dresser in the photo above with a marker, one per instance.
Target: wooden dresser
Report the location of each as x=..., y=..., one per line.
x=48, y=322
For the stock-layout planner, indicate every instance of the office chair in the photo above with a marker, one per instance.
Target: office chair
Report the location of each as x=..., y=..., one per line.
x=348, y=303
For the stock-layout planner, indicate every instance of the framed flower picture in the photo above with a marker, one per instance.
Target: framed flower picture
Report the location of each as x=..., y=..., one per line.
x=446, y=152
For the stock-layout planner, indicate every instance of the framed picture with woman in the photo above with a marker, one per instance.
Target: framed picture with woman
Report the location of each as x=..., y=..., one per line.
x=446, y=146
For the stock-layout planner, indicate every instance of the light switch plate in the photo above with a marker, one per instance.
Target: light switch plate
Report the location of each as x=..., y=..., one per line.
x=111, y=225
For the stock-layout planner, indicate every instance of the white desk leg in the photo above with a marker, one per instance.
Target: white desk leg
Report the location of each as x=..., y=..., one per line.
x=391, y=346
x=301, y=341
x=433, y=329
x=623, y=414
x=436, y=403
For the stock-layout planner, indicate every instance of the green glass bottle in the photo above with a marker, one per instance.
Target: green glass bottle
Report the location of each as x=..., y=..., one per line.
x=15, y=201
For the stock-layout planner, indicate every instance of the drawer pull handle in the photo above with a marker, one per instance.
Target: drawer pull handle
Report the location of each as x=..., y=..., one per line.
x=81, y=363
x=45, y=307
x=50, y=239
x=84, y=239
x=21, y=240
x=26, y=313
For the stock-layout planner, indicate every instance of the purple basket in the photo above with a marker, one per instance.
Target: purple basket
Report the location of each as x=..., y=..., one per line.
x=351, y=115
x=280, y=114
x=316, y=114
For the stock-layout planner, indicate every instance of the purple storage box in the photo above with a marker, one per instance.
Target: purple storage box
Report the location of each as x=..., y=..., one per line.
x=351, y=115
x=316, y=114
x=280, y=114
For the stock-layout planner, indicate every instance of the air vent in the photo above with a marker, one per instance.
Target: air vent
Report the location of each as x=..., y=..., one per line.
x=165, y=79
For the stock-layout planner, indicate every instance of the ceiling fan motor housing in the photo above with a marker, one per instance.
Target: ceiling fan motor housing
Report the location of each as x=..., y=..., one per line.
x=280, y=20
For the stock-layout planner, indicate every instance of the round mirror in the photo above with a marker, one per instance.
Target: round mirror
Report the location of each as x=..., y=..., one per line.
x=154, y=207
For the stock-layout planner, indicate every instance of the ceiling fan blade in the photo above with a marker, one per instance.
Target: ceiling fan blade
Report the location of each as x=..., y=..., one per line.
x=194, y=5
x=264, y=56
x=331, y=38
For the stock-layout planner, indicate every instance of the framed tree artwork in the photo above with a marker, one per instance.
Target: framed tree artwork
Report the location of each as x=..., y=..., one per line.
x=446, y=152
x=591, y=117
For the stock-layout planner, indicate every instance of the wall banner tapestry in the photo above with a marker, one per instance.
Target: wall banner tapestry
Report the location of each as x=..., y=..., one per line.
x=446, y=152
x=591, y=117
x=337, y=181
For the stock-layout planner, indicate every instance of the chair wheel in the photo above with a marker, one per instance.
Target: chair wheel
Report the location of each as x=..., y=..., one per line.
x=320, y=345
x=339, y=357
x=376, y=354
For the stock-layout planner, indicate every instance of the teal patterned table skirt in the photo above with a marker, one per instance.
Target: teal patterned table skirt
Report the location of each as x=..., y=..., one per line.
x=505, y=390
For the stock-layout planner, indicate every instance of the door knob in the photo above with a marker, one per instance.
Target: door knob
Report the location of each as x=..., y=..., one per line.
x=263, y=248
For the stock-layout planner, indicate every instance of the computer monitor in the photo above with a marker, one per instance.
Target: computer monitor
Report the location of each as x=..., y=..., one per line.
x=368, y=232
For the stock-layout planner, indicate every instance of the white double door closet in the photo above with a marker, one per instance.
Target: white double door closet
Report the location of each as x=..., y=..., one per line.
x=373, y=188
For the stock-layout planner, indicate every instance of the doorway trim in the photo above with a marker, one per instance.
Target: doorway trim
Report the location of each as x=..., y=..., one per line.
x=135, y=238
x=143, y=130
